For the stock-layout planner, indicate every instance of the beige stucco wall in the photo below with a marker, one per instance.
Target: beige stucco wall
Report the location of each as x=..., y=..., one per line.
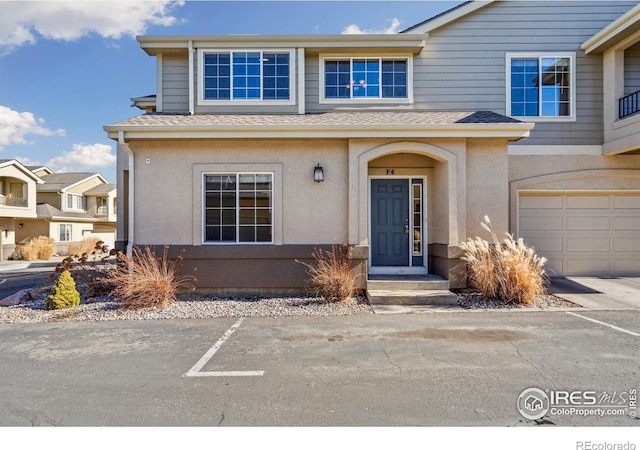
x=52, y=198
x=487, y=186
x=11, y=174
x=168, y=197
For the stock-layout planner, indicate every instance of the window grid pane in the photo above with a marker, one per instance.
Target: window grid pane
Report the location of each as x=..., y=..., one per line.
x=541, y=87
x=246, y=76
x=365, y=78
x=238, y=208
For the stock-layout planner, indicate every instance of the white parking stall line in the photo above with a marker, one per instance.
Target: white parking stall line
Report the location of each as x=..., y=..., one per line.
x=195, y=370
x=605, y=324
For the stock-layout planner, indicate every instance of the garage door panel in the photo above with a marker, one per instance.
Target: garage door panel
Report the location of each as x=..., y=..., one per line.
x=626, y=223
x=545, y=244
x=626, y=202
x=598, y=233
x=626, y=266
x=588, y=244
x=588, y=202
x=582, y=223
x=575, y=266
x=623, y=245
x=540, y=202
x=546, y=223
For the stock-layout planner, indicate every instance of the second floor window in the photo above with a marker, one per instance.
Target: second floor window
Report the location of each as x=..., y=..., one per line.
x=366, y=78
x=541, y=85
x=75, y=201
x=246, y=75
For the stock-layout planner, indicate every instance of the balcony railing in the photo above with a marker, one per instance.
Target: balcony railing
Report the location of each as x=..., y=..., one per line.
x=629, y=105
x=8, y=201
x=103, y=210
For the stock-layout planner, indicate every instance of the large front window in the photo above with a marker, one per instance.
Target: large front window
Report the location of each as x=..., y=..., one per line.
x=366, y=78
x=246, y=75
x=238, y=208
x=541, y=86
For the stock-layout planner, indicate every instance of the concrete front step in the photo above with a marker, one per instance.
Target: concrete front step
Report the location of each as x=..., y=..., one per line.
x=436, y=297
x=420, y=283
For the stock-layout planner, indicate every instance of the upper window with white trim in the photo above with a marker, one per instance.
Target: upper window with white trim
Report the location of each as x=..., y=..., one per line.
x=366, y=79
x=251, y=75
x=541, y=86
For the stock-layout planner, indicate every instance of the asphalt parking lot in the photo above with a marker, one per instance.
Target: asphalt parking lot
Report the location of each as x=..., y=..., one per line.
x=432, y=369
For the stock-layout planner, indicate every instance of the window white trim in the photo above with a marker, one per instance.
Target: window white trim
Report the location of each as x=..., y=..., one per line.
x=250, y=102
x=572, y=62
x=200, y=171
x=395, y=56
x=68, y=233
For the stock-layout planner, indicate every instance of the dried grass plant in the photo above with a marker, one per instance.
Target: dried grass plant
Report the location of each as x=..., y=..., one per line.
x=330, y=276
x=38, y=248
x=146, y=280
x=507, y=269
x=87, y=246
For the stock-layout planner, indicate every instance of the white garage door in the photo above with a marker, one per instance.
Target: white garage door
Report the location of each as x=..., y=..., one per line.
x=583, y=234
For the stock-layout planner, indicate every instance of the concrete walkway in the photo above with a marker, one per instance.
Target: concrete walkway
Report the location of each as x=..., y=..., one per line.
x=10, y=266
x=599, y=293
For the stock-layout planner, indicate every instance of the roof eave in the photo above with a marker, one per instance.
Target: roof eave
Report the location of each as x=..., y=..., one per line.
x=511, y=131
x=153, y=45
x=616, y=31
x=447, y=17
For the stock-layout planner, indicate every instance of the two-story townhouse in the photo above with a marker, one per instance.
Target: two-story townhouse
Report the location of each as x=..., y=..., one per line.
x=261, y=148
x=17, y=201
x=70, y=206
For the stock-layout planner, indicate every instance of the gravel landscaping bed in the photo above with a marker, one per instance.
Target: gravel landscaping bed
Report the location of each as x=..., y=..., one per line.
x=474, y=300
x=106, y=308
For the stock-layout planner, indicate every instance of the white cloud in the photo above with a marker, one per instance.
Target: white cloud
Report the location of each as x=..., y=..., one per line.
x=24, y=21
x=15, y=126
x=394, y=25
x=82, y=158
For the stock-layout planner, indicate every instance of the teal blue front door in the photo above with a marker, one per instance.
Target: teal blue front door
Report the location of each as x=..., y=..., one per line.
x=390, y=222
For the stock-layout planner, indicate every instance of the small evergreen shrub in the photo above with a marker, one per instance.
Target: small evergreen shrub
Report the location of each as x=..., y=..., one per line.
x=508, y=270
x=63, y=293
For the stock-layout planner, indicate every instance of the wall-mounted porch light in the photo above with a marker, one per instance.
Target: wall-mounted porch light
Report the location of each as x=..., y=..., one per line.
x=318, y=174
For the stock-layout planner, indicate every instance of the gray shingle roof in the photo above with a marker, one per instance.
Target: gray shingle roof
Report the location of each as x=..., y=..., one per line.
x=55, y=182
x=47, y=211
x=338, y=119
x=101, y=189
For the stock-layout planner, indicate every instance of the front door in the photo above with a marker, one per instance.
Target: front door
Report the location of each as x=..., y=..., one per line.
x=390, y=222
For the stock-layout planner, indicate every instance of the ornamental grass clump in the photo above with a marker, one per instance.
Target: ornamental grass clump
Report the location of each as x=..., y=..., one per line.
x=146, y=280
x=508, y=270
x=41, y=247
x=331, y=277
x=63, y=293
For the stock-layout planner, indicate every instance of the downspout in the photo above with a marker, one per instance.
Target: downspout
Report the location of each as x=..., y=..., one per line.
x=126, y=148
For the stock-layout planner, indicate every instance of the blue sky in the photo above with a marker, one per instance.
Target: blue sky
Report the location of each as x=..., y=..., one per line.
x=69, y=67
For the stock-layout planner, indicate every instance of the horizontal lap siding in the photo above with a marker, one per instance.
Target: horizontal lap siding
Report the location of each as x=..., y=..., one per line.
x=463, y=64
x=175, y=84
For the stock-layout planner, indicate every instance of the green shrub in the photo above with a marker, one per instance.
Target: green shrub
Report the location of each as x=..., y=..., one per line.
x=63, y=293
x=507, y=270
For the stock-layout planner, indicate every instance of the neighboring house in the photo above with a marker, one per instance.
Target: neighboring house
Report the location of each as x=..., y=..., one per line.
x=17, y=201
x=70, y=206
x=500, y=108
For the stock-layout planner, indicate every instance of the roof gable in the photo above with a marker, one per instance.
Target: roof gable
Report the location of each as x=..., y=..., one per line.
x=56, y=182
x=22, y=168
x=448, y=16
